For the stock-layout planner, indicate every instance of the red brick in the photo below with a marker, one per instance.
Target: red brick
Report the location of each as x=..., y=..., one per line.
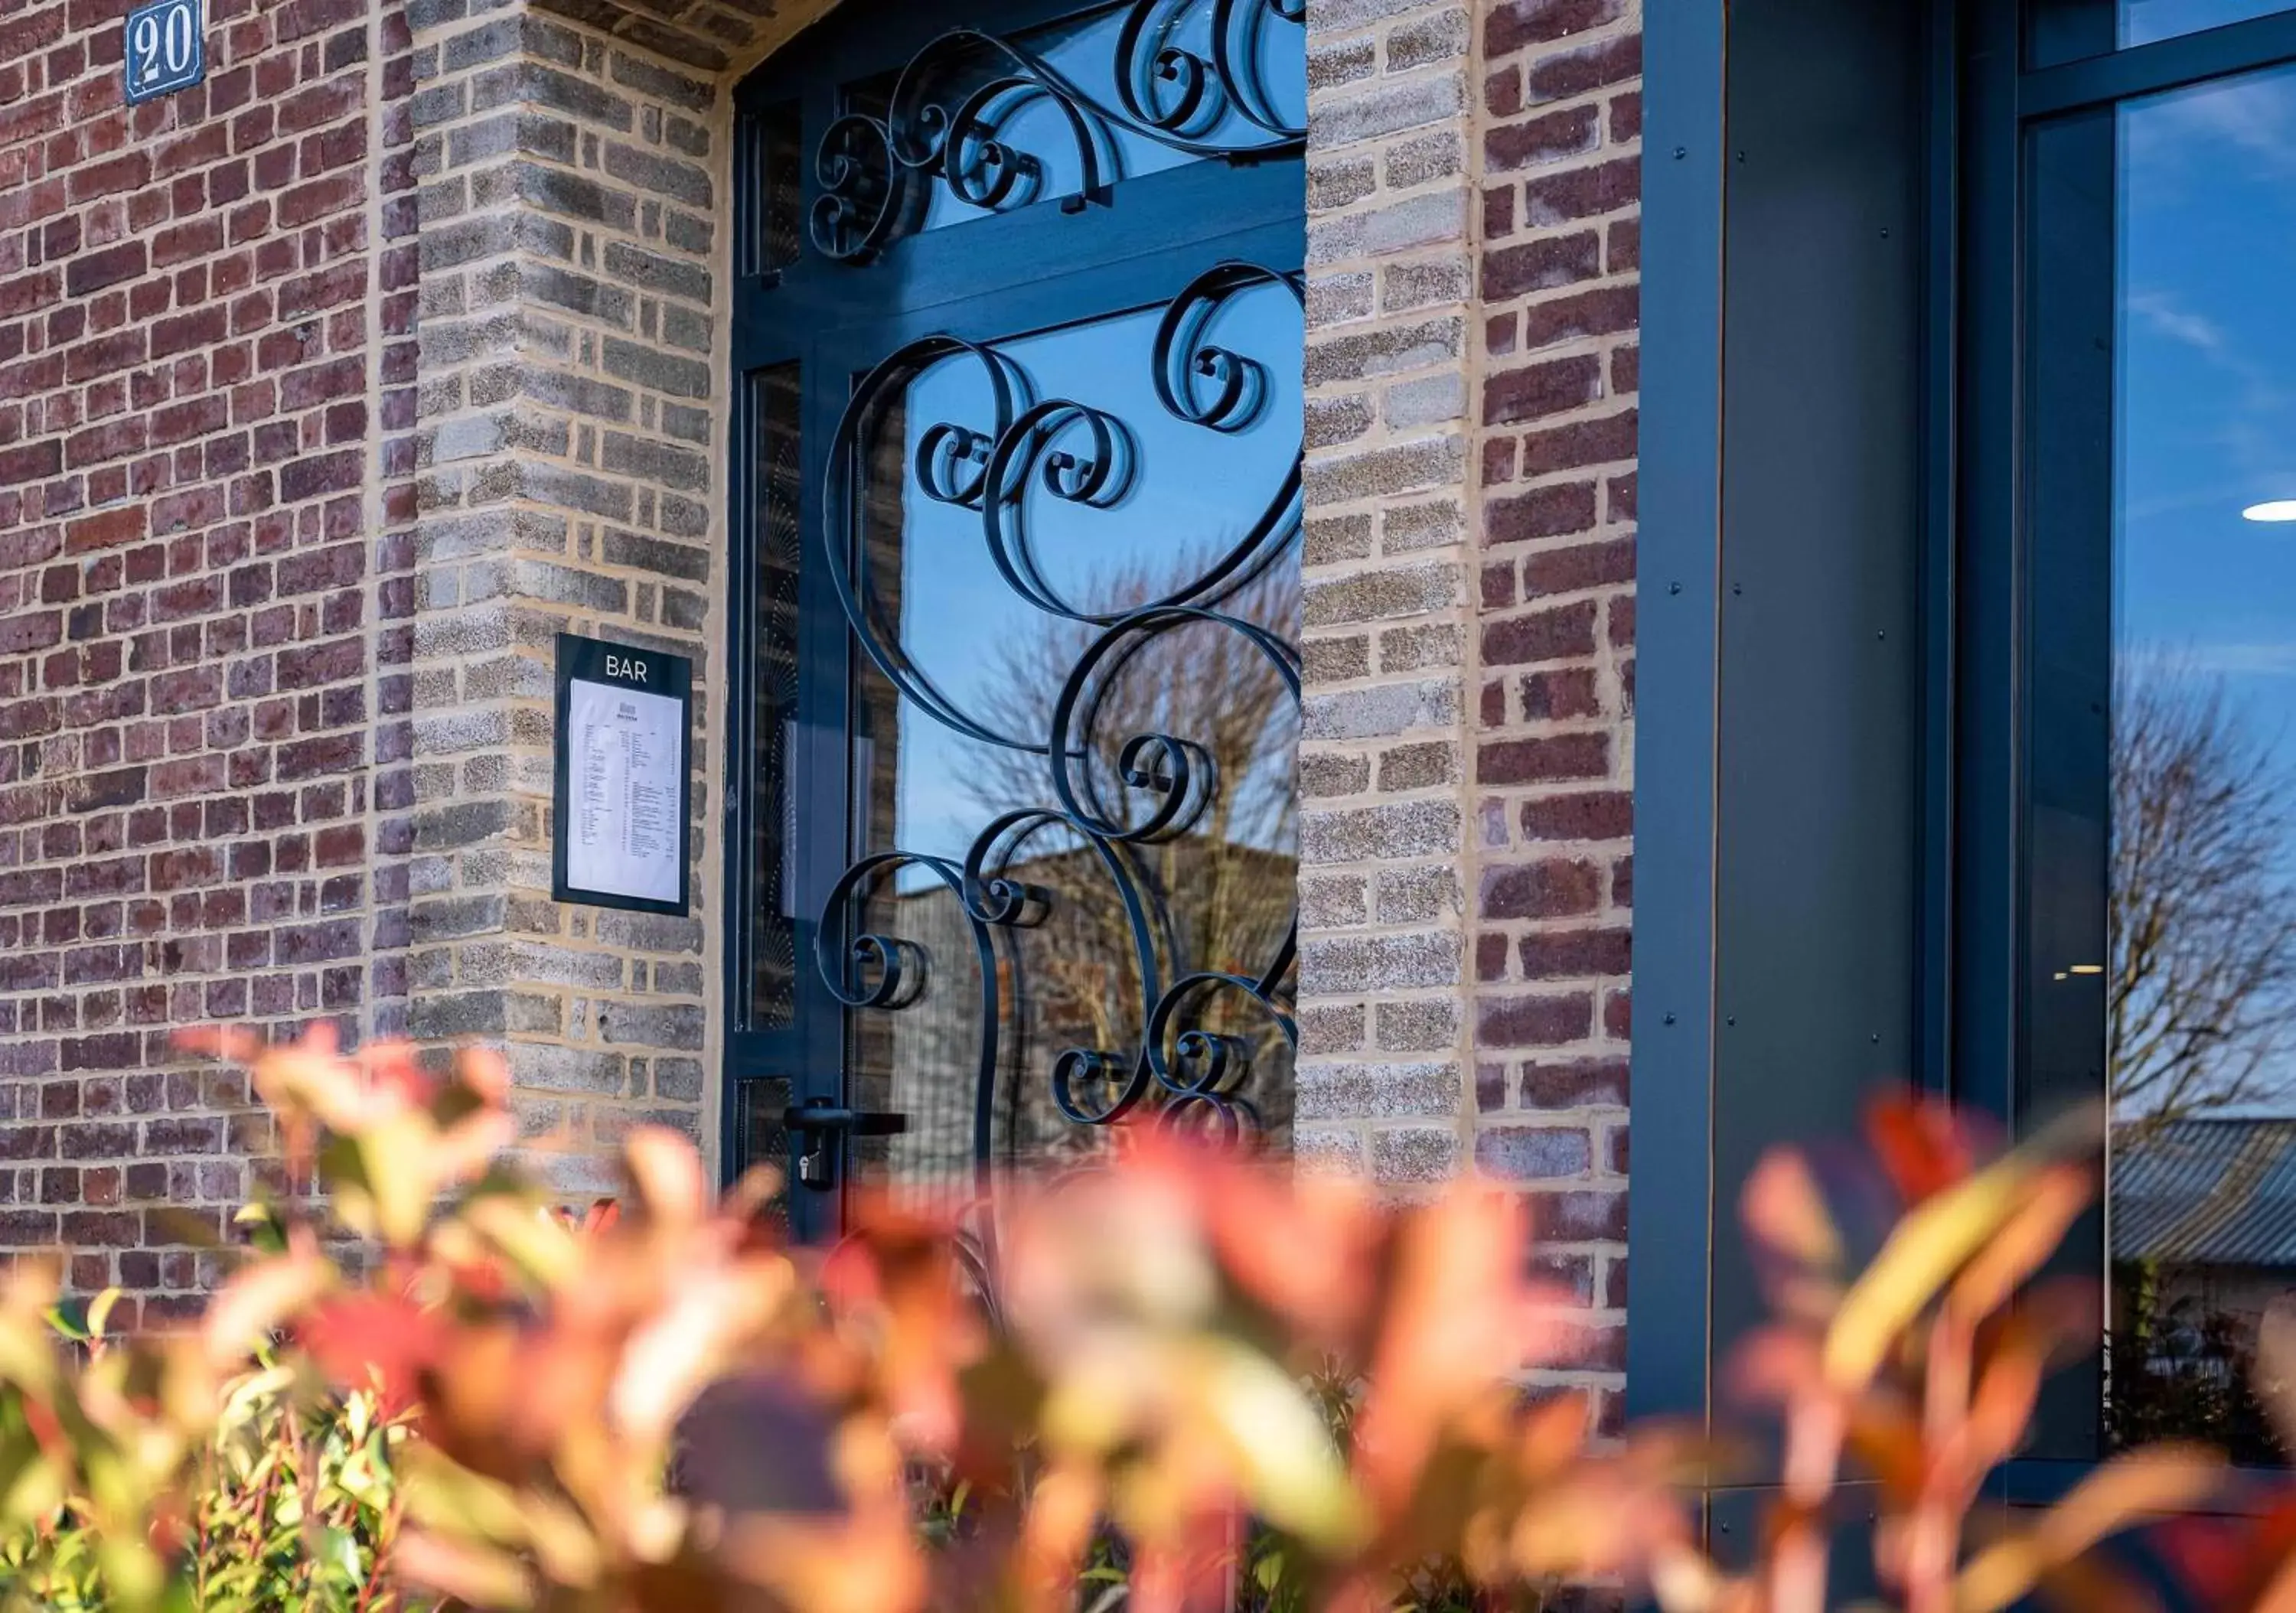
x=1554, y=510
x=1579, y=1217
x=1545, y=636
x=1574, y=954
x=1544, y=1020
x=1503, y=92
x=1580, y=443
x=1537, y=390
x=1582, y=193
x=1538, y=141
x=1559, y=758
x=1541, y=266
x=1575, y=1083
x=92, y=272
x=1581, y=566
x=1513, y=24
x=1590, y=67
x=1602, y=311
x=154, y=476
x=30, y=462
x=1561, y=694
x=1498, y=211
x=1498, y=585
x=1596, y=815
x=1626, y=118
x=1622, y=247
x=1558, y=888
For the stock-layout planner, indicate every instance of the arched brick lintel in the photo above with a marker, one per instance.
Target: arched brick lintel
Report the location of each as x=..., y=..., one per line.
x=721, y=39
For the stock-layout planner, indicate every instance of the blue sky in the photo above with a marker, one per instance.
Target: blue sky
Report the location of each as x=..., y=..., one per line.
x=1194, y=493
x=2207, y=395
x=2143, y=20
x=2208, y=382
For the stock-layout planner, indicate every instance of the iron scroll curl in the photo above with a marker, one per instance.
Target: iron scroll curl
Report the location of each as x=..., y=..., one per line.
x=949, y=117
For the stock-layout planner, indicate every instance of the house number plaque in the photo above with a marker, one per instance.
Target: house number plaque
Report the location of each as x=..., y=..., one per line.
x=166, y=49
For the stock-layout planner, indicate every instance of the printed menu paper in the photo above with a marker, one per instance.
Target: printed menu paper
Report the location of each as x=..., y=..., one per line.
x=626, y=771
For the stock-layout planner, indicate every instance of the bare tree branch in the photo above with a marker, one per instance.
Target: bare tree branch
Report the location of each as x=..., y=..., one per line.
x=1220, y=894
x=2200, y=913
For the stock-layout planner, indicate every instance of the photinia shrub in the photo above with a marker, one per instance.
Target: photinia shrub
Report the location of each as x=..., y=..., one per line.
x=1181, y=1380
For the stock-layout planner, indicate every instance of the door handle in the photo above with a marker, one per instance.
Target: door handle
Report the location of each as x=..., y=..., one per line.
x=824, y=1126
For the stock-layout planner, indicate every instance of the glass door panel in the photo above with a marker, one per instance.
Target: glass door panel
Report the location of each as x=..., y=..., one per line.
x=1074, y=570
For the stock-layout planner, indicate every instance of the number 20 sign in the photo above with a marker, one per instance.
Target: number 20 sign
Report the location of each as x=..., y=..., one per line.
x=166, y=48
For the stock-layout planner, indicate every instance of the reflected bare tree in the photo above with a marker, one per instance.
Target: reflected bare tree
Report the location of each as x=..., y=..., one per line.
x=2201, y=913
x=1223, y=891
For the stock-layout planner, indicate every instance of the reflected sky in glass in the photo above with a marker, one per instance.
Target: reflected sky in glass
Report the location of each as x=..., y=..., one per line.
x=2208, y=387
x=1082, y=50
x=2141, y=21
x=2203, y=884
x=1193, y=493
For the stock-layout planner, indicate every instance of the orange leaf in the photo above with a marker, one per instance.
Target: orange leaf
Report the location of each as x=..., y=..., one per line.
x=362, y=1338
x=1921, y=1145
x=1786, y=1212
x=2163, y=1480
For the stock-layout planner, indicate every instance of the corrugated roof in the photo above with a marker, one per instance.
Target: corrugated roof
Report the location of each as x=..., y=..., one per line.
x=2206, y=1192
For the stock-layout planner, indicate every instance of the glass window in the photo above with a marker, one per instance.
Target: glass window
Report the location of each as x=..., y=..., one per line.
x=2160, y=501
x=2141, y=21
x=771, y=943
x=978, y=124
x=1133, y=499
x=1155, y=102
x=2066, y=31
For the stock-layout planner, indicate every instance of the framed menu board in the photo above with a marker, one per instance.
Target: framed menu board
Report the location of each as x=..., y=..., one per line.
x=625, y=776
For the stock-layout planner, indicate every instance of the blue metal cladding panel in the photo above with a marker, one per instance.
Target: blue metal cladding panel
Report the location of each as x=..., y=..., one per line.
x=1779, y=814
x=1670, y=1205
x=1818, y=814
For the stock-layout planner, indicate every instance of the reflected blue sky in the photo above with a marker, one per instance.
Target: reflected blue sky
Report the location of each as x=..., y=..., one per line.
x=2206, y=405
x=2141, y=21
x=1083, y=51
x=2208, y=380
x=1194, y=493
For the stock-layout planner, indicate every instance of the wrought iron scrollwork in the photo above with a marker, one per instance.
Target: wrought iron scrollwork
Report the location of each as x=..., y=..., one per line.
x=1193, y=86
x=1111, y=795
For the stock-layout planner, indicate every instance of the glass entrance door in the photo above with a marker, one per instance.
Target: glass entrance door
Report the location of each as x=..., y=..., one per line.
x=1019, y=341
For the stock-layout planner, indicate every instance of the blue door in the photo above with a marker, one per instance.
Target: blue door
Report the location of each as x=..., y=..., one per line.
x=1018, y=353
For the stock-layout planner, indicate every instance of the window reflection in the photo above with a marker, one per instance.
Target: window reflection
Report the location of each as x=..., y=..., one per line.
x=2141, y=21
x=1053, y=113
x=996, y=664
x=2059, y=31
x=776, y=403
x=2194, y=975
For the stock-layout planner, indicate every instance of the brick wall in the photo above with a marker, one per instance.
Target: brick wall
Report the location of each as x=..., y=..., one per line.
x=574, y=166
x=569, y=481
x=193, y=368
x=329, y=391
x=1558, y=162
x=332, y=396
x=1466, y=764
x=1384, y=605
